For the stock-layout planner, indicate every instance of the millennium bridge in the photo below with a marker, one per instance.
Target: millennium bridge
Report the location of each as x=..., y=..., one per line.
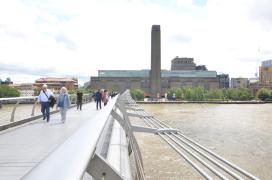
x=96, y=144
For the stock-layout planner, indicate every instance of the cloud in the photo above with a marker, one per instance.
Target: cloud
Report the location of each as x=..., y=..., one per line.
x=248, y=59
x=61, y=38
x=261, y=11
x=79, y=37
x=200, y=2
x=10, y=32
x=29, y=74
x=26, y=70
x=180, y=38
x=267, y=52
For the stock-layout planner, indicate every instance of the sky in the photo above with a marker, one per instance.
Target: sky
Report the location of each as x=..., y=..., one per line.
x=76, y=38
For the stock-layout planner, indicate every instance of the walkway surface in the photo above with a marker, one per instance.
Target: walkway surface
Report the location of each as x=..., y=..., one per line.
x=21, y=148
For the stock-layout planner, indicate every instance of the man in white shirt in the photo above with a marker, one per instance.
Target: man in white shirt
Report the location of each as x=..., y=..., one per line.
x=44, y=100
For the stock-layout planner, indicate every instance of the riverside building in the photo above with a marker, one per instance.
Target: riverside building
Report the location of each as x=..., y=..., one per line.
x=120, y=80
x=223, y=80
x=155, y=82
x=239, y=82
x=56, y=83
x=265, y=74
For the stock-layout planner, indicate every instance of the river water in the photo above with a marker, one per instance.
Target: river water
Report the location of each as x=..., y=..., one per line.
x=240, y=133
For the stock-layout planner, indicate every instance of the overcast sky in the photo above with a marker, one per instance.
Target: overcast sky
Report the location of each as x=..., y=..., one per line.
x=79, y=37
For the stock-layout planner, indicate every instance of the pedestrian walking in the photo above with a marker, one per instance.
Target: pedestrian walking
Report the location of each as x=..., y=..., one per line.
x=98, y=98
x=105, y=97
x=79, y=100
x=63, y=103
x=44, y=99
x=91, y=95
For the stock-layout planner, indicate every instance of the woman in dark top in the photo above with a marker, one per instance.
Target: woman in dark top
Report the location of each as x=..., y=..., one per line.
x=79, y=100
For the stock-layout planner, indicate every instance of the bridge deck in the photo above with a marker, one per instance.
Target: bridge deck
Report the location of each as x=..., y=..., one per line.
x=24, y=146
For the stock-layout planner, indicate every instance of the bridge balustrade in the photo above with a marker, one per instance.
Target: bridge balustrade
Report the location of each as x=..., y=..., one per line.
x=17, y=101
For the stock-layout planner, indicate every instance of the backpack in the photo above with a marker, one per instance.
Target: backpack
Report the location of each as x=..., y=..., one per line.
x=52, y=101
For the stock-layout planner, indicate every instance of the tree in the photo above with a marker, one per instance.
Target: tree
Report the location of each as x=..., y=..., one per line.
x=6, y=91
x=226, y=93
x=216, y=94
x=263, y=94
x=199, y=93
x=37, y=91
x=244, y=94
x=176, y=91
x=187, y=93
x=137, y=94
x=8, y=80
x=87, y=85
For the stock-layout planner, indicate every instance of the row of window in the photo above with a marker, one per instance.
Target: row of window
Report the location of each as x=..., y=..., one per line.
x=183, y=62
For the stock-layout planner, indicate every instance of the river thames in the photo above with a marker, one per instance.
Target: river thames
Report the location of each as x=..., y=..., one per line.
x=240, y=133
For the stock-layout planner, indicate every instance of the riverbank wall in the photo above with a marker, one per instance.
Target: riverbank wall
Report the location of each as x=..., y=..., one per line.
x=203, y=102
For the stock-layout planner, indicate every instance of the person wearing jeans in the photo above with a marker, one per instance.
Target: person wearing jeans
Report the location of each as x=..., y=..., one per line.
x=44, y=100
x=98, y=98
x=63, y=103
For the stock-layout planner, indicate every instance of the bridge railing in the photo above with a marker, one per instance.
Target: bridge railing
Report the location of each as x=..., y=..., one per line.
x=100, y=148
x=32, y=100
x=206, y=162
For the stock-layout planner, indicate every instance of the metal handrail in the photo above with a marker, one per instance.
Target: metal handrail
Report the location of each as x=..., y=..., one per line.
x=18, y=100
x=70, y=159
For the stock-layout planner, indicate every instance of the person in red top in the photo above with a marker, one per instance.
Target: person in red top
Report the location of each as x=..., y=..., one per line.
x=105, y=97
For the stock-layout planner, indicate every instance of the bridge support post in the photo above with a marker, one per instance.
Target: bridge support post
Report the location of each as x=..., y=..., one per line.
x=99, y=168
x=33, y=108
x=13, y=111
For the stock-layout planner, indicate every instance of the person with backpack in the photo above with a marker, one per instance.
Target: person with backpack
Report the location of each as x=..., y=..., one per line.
x=45, y=102
x=63, y=103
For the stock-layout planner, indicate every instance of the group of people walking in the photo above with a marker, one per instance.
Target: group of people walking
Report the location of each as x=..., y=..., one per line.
x=101, y=96
x=47, y=100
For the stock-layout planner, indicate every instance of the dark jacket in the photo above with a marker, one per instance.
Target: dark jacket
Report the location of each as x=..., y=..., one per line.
x=98, y=96
x=79, y=97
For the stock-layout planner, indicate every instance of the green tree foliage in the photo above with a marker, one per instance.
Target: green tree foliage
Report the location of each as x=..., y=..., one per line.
x=200, y=94
x=37, y=91
x=264, y=94
x=86, y=88
x=8, y=80
x=137, y=94
x=7, y=91
x=177, y=91
x=240, y=94
x=216, y=94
